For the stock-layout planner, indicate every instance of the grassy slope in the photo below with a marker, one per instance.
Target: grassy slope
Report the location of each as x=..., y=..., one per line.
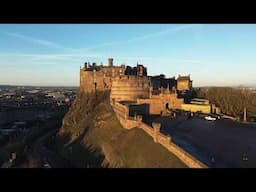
x=97, y=138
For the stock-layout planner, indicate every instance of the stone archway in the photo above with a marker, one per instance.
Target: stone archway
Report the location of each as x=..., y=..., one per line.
x=167, y=106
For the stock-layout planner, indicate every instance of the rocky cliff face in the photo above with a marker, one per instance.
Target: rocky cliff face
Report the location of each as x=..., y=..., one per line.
x=91, y=136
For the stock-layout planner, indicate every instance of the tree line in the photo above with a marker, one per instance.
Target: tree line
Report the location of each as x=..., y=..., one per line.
x=231, y=100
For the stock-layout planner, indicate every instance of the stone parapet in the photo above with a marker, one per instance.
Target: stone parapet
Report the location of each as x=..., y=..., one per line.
x=154, y=131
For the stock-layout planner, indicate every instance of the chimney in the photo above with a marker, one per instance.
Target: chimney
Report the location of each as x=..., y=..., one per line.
x=110, y=62
x=94, y=64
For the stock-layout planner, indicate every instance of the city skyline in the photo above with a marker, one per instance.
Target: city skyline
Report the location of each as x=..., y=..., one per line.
x=50, y=55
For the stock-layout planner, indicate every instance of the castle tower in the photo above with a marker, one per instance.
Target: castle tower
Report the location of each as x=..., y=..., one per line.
x=110, y=62
x=184, y=83
x=85, y=65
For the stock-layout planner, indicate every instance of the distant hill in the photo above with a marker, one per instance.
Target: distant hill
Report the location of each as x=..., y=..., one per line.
x=6, y=86
x=235, y=86
x=91, y=136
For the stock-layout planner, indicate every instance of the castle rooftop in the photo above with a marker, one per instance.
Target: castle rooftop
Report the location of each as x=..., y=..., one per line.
x=187, y=77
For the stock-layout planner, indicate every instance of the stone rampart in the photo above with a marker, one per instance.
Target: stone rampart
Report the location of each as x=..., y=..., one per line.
x=122, y=113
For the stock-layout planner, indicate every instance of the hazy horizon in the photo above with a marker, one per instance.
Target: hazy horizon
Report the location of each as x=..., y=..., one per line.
x=51, y=54
x=77, y=86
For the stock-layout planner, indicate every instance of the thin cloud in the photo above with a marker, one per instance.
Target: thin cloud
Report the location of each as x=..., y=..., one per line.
x=77, y=57
x=144, y=37
x=160, y=59
x=36, y=40
x=164, y=32
x=45, y=58
x=74, y=50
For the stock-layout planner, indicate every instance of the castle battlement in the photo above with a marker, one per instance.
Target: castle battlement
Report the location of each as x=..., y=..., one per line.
x=131, y=78
x=100, y=77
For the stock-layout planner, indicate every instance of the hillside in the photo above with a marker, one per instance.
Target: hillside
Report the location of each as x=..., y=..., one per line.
x=91, y=136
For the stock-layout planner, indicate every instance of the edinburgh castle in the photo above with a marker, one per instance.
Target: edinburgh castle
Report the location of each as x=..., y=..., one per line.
x=142, y=93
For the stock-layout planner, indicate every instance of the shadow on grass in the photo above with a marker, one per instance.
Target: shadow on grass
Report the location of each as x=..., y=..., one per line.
x=78, y=154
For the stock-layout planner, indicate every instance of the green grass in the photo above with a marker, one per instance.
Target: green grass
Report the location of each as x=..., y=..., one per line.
x=138, y=149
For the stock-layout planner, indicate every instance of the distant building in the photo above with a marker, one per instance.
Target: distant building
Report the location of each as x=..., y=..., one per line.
x=9, y=94
x=33, y=91
x=56, y=95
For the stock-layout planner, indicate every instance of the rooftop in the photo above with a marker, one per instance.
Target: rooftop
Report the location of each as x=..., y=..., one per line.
x=183, y=77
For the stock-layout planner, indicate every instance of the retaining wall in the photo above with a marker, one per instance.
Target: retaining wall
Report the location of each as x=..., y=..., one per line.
x=122, y=113
x=165, y=141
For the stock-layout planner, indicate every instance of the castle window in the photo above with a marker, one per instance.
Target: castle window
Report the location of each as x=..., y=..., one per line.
x=95, y=85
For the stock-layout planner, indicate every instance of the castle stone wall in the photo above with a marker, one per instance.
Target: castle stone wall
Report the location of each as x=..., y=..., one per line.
x=196, y=108
x=102, y=76
x=183, y=85
x=122, y=113
x=129, y=88
x=154, y=132
x=155, y=105
x=166, y=142
x=158, y=103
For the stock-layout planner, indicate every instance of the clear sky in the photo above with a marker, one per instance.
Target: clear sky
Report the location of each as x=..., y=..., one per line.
x=221, y=55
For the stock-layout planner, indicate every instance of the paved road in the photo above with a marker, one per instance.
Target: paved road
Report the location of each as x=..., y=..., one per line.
x=229, y=143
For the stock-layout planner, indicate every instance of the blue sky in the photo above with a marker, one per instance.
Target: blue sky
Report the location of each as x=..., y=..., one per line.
x=220, y=55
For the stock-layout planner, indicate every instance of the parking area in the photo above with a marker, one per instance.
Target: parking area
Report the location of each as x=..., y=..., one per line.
x=220, y=143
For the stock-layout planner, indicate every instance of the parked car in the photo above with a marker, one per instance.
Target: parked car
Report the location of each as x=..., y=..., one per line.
x=209, y=118
x=47, y=165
